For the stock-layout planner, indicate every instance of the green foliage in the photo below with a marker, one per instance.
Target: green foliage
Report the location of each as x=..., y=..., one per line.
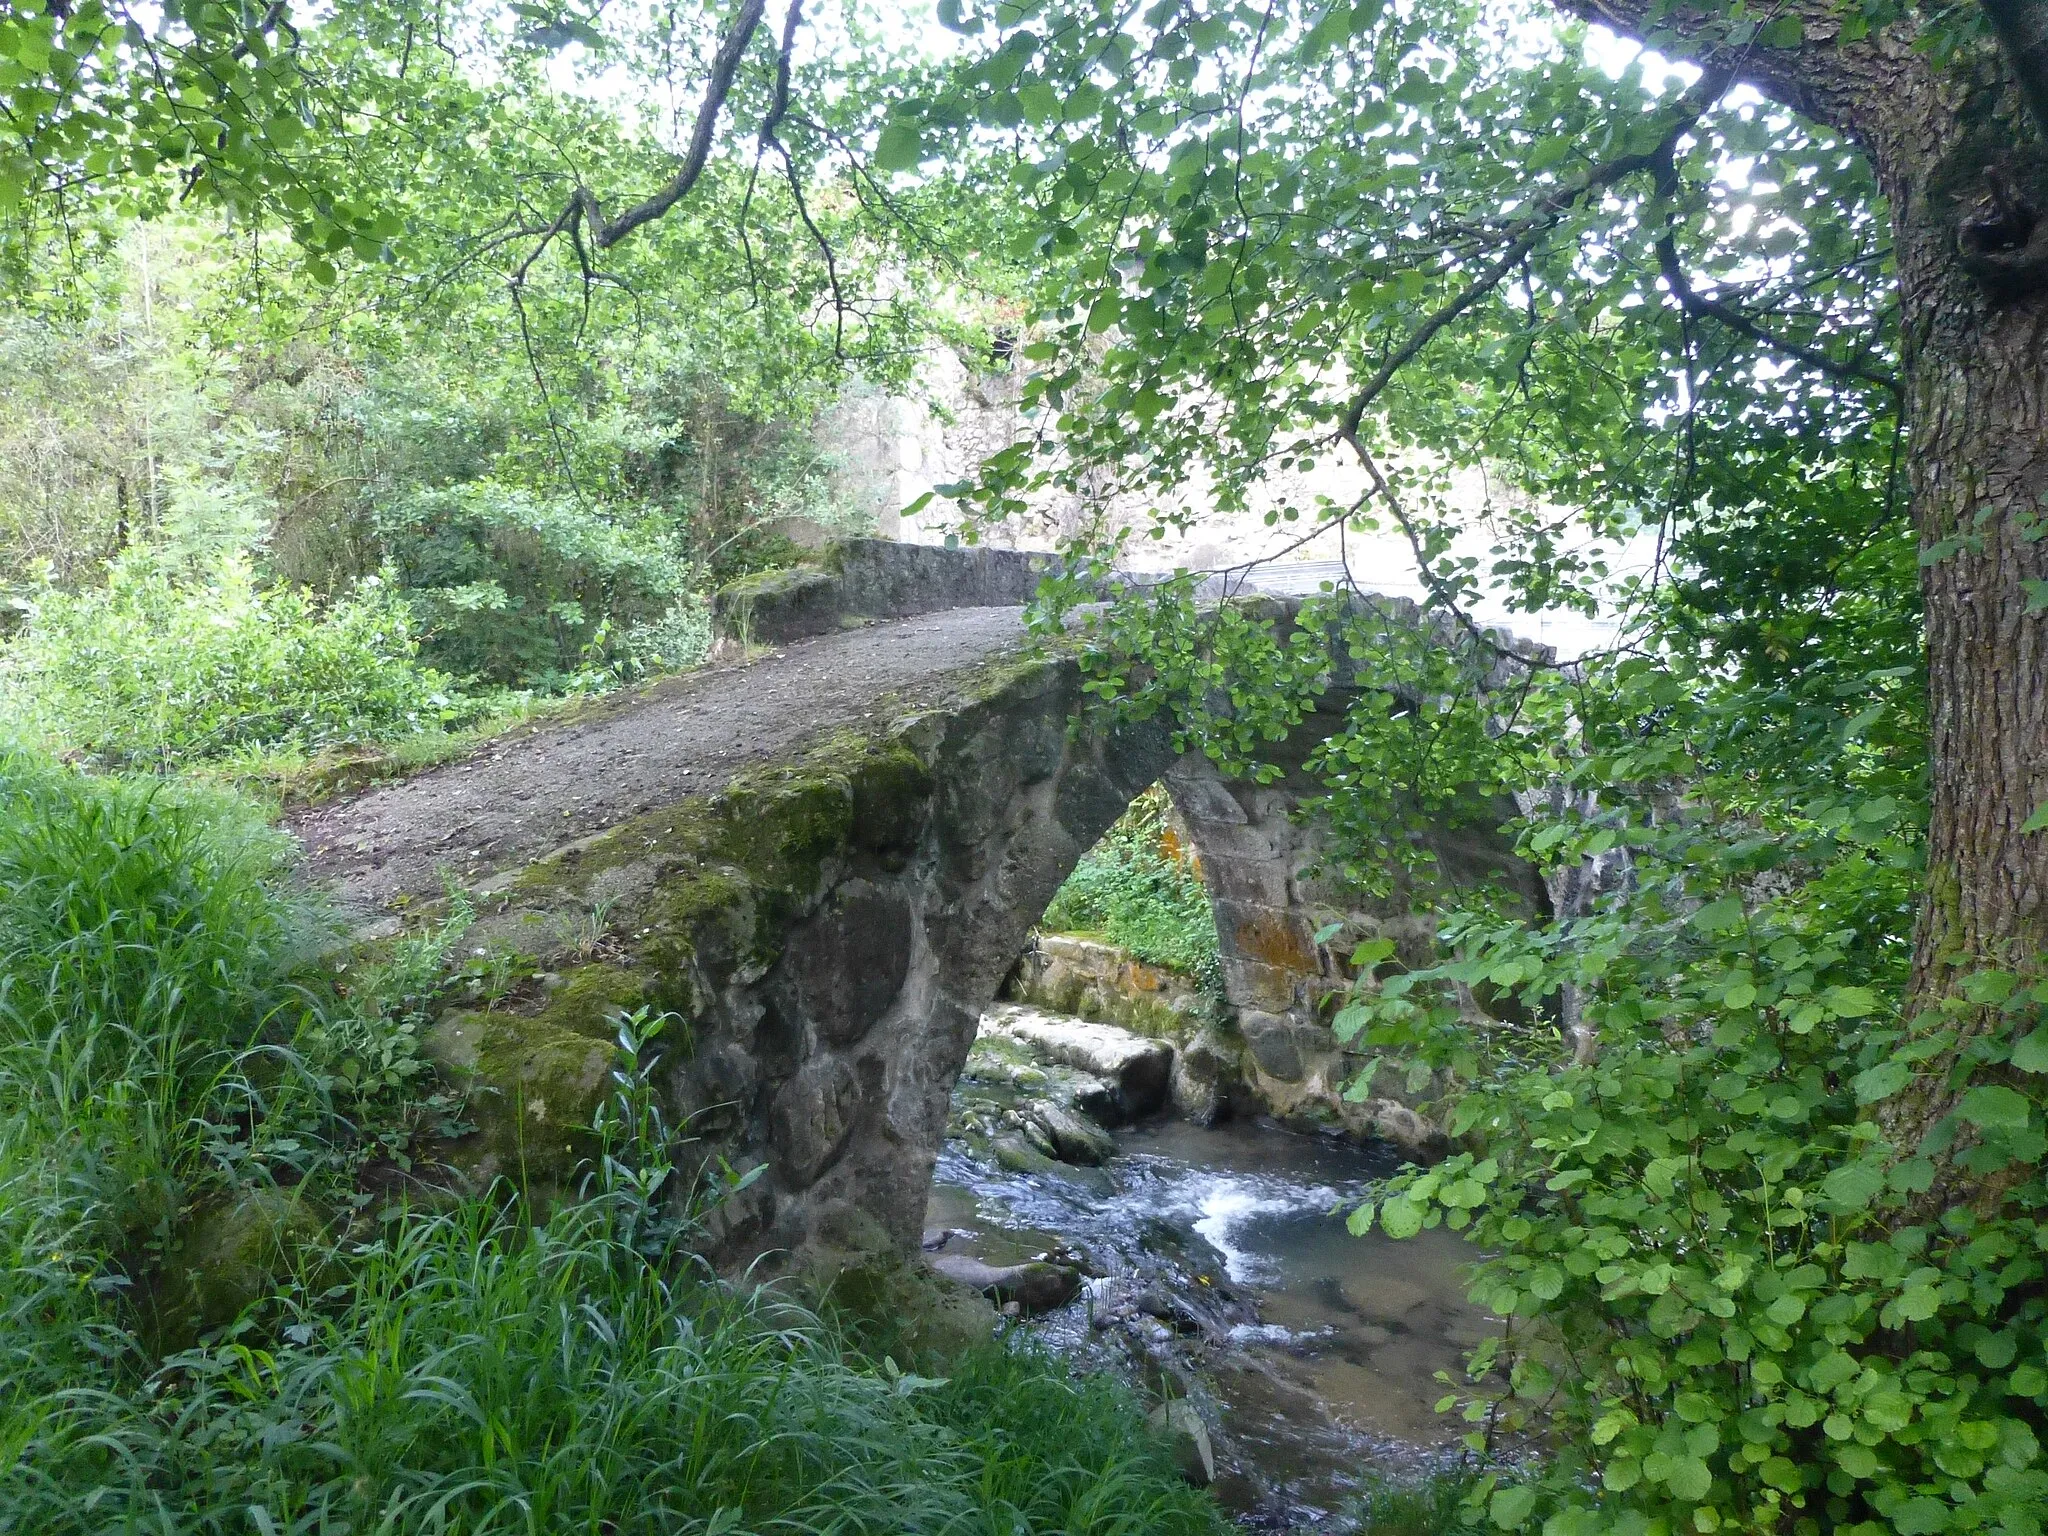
x=107, y=100
x=452, y=1369
x=158, y=668
x=1130, y=890
x=507, y=587
x=1742, y=1300
x=1461, y=267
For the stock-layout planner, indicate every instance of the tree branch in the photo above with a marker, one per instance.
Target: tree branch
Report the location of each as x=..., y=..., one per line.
x=2022, y=28
x=1695, y=302
x=1526, y=232
x=1821, y=77
x=583, y=207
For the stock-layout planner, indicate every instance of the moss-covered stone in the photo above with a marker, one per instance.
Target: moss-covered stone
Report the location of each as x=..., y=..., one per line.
x=899, y=1305
x=775, y=606
x=588, y=1000
x=231, y=1254
x=533, y=1087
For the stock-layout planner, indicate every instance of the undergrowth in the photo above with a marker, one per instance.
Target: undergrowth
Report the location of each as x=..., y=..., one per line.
x=1139, y=890
x=455, y=1367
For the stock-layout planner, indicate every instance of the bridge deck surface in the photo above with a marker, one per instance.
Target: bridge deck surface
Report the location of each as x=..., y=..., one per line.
x=540, y=787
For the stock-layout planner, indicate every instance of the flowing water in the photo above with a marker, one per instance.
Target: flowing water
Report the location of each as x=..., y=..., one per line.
x=1223, y=1274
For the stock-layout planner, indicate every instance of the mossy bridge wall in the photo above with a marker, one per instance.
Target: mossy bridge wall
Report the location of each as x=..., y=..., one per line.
x=825, y=932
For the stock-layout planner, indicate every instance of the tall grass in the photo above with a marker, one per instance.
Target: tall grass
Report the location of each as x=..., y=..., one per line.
x=438, y=1371
x=138, y=1017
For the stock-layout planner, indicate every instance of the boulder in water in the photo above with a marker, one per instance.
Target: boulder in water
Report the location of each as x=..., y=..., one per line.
x=1202, y=1073
x=1137, y=1067
x=1034, y=1287
x=1074, y=1137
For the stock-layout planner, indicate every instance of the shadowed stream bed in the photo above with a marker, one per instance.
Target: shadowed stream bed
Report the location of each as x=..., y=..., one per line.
x=1218, y=1273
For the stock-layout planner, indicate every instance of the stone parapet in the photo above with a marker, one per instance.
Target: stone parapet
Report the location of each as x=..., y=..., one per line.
x=853, y=581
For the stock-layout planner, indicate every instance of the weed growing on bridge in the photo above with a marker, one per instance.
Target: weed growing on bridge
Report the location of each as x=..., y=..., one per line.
x=1137, y=891
x=452, y=1369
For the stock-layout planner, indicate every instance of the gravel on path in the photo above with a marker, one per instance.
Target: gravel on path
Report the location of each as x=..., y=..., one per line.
x=538, y=788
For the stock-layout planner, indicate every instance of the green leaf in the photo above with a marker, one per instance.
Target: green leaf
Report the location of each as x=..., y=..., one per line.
x=2031, y=1054
x=1850, y=1002
x=1719, y=916
x=1854, y=1187
x=1995, y=1108
x=1511, y=1507
x=1921, y=1517
x=1688, y=1477
x=900, y=147
x=1881, y=1081
x=1359, y=1222
x=1783, y=32
x=1400, y=1217
x=2038, y=822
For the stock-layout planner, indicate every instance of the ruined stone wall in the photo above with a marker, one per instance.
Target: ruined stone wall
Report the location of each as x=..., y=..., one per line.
x=853, y=581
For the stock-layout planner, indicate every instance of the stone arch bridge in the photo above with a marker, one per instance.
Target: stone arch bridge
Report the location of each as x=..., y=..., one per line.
x=824, y=862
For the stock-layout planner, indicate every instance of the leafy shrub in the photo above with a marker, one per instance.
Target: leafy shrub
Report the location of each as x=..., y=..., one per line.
x=1130, y=890
x=1742, y=1299
x=156, y=669
x=512, y=587
x=678, y=639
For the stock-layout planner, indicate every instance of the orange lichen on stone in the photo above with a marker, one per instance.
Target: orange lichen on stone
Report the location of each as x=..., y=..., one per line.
x=1278, y=940
x=1176, y=849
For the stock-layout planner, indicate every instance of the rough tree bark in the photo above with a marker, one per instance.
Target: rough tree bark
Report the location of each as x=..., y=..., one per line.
x=1962, y=155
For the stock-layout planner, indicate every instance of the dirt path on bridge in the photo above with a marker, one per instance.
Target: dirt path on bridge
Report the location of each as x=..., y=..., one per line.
x=542, y=786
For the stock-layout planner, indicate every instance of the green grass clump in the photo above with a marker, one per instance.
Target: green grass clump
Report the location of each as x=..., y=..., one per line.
x=1129, y=892
x=1434, y=1504
x=459, y=1369
x=484, y=1377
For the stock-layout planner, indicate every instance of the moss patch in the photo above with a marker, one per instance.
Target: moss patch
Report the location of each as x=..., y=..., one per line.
x=230, y=1256
x=590, y=998
x=533, y=1089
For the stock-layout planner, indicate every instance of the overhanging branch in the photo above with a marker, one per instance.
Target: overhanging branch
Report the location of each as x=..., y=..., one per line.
x=583, y=208
x=1524, y=234
x=2022, y=28
x=1523, y=237
x=1695, y=302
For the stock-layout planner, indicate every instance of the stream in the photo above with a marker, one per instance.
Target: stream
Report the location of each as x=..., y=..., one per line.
x=1219, y=1273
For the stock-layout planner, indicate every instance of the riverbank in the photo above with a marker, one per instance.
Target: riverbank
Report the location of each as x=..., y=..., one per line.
x=1214, y=1271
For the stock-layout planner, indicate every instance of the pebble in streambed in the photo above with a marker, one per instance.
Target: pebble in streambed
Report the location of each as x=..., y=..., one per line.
x=1214, y=1271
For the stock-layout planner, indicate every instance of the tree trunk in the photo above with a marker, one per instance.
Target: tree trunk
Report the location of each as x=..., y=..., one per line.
x=1963, y=164
x=1976, y=365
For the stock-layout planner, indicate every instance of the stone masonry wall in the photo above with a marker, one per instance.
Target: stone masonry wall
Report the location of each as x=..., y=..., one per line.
x=1263, y=857
x=825, y=933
